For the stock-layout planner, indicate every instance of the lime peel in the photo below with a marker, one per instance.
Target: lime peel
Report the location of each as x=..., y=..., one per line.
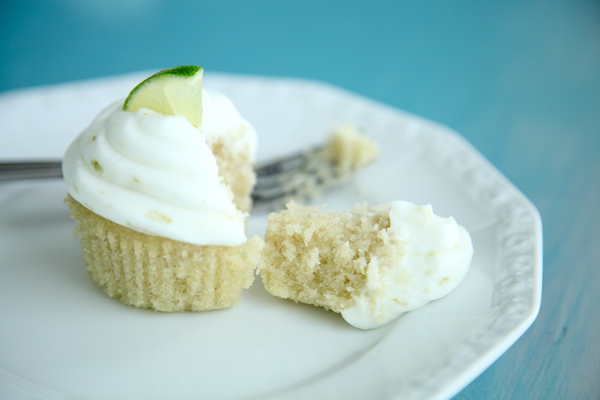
x=170, y=92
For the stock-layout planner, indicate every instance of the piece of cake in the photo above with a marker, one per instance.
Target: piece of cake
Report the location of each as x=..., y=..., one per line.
x=349, y=150
x=369, y=264
x=150, y=185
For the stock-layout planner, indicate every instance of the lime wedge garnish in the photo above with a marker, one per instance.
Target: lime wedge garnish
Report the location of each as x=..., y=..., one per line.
x=170, y=92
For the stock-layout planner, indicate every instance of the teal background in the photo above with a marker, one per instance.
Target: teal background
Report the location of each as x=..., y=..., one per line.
x=519, y=79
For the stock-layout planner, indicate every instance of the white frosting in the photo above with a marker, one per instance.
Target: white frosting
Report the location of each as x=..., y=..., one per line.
x=221, y=117
x=436, y=258
x=155, y=173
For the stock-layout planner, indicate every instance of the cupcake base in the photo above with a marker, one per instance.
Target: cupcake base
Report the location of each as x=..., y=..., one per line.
x=162, y=274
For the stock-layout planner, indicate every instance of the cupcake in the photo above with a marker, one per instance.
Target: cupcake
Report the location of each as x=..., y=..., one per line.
x=369, y=264
x=159, y=185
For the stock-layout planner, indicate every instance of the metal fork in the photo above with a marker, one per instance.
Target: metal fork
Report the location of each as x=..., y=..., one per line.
x=300, y=176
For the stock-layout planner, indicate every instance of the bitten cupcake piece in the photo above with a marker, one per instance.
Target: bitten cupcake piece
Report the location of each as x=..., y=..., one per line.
x=369, y=264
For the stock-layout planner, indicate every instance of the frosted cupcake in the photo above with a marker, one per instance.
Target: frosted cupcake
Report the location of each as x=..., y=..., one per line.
x=369, y=264
x=150, y=187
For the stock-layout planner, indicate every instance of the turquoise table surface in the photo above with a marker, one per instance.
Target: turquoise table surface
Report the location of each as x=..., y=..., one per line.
x=519, y=79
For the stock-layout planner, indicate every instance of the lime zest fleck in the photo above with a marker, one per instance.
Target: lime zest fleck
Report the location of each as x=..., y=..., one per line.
x=97, y=167
x=158, y=217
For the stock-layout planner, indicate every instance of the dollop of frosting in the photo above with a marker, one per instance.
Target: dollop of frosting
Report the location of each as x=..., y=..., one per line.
x=435, y=260
x=156, y=174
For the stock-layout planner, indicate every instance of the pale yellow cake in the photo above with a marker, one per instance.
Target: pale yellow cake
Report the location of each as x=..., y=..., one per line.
x=321, y=258
x=162, y=274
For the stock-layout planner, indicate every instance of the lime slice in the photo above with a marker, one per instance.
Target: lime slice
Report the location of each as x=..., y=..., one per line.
x=170, y=92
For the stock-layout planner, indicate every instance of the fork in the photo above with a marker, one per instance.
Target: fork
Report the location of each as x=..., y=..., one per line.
x=300, y=176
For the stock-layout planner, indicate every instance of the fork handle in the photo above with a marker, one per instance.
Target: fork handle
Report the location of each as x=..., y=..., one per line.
x=30, y=170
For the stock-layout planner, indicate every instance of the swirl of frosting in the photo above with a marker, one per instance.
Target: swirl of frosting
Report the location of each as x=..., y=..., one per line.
x=155, y=174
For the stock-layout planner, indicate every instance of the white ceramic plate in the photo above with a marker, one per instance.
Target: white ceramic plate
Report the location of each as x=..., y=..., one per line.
x=61, y=338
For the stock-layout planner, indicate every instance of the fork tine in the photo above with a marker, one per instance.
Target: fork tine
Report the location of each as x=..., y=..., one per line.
x=277, y=172
x=299, y=177
x=281, y=165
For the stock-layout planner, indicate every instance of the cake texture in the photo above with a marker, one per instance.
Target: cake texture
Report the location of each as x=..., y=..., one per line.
x=369, y=264
x=233, y=140
x=321, y=258
x=349, y=150
x=161, y=204
x=162, y=274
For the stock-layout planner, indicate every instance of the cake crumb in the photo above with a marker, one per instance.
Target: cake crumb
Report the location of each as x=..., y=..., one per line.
x=350, y=149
